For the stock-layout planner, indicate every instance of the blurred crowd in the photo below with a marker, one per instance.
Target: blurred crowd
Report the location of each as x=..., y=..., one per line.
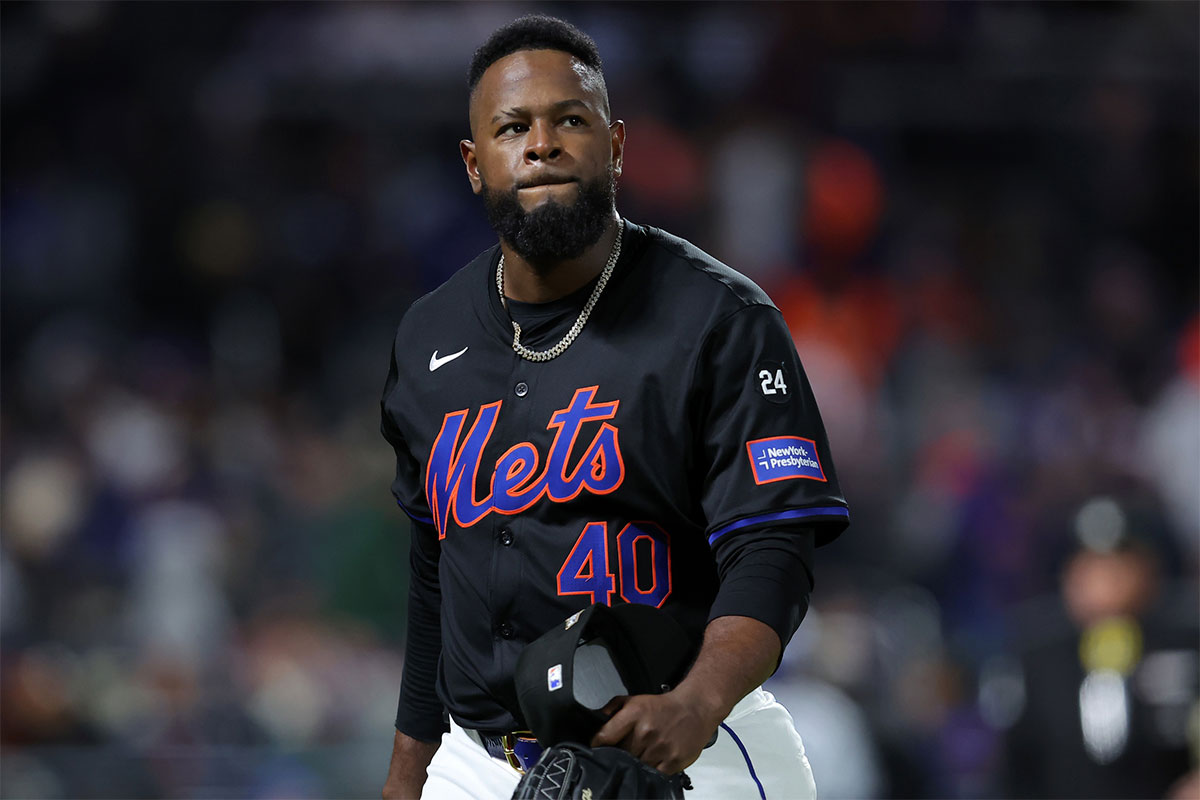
x=980, y=222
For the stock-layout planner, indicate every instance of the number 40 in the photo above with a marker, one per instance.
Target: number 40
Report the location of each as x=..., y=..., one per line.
x=586, y=569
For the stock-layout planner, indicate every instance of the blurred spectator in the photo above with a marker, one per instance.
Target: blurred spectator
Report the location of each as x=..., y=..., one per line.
x=1107, y=699
x=1169, y=443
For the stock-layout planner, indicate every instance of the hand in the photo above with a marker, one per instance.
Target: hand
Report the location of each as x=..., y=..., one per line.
x=667, y=731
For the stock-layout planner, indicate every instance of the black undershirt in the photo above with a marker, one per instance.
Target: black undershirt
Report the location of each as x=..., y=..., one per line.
x=543, y=320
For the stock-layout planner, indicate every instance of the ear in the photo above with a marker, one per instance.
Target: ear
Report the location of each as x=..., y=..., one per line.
x=616, y=132
x=467, y=148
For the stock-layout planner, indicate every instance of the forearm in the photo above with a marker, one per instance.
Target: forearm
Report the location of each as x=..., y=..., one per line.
x=419, y=713
x=407, y=771
x=766, y=575
x=738, y=654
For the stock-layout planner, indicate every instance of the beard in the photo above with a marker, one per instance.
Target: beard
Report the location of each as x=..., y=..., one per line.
x=552, y=232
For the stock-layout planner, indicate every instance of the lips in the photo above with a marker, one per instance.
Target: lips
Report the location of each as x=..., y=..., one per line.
x=546, y=180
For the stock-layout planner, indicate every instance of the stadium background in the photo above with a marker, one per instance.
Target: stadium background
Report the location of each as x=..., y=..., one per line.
x=980, y=221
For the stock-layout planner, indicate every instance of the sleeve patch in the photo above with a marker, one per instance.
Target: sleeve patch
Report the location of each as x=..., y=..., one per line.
x=772, y=382
x=779, y=458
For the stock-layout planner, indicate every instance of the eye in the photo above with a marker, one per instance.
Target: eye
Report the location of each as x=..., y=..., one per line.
x=512, y=127
x=574, y=121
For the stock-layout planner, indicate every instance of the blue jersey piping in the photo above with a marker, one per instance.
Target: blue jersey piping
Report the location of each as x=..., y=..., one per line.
x=780, y=516
x=749, y=765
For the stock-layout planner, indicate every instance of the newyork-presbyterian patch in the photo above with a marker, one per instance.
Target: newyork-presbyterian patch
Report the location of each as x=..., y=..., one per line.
x=779, y=458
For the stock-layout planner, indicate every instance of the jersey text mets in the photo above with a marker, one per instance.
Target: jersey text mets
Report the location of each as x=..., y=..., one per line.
x=516, y=483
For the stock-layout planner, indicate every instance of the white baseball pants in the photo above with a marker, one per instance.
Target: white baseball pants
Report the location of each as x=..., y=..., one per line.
x=758, y=756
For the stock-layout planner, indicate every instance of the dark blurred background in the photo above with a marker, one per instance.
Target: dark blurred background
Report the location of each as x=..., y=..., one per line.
x=980, y=221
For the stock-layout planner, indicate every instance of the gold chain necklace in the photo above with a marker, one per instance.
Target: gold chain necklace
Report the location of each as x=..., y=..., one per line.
x=565, y=342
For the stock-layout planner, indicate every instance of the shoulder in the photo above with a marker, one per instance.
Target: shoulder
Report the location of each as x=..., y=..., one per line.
x=696, y=272
x=451, y=296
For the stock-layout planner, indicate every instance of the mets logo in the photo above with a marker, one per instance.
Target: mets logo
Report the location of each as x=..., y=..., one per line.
x=516, y=483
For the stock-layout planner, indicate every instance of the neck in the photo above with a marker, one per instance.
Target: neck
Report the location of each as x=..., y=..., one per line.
x=541, y=283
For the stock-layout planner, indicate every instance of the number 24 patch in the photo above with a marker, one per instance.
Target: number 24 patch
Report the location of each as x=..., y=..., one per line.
x=772, y=381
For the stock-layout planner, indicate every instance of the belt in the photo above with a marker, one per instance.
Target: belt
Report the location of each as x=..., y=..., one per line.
x=519, y=749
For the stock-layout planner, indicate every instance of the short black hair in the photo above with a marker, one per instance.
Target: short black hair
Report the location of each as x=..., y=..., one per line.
x=534, y=32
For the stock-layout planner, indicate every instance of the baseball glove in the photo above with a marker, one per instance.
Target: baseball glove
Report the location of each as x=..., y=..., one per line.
x=570, y=771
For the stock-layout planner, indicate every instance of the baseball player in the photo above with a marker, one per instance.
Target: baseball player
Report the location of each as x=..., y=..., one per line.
x=595, y=411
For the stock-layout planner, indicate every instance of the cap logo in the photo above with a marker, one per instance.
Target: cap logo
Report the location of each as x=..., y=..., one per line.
x=554, y=677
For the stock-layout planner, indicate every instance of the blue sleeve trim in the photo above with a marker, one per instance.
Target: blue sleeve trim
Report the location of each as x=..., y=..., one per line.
x=749, y=764
x=780, y=516
x=417, y=517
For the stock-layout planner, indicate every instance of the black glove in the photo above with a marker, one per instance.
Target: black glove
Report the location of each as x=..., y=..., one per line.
x=570, y=771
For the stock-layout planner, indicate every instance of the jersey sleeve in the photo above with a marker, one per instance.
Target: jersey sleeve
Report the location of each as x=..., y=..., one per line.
x=407, y=486
x=419, y=712
x=766, y=461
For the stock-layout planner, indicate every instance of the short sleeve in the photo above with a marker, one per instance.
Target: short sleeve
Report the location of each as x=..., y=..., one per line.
x=766, y=460
x=407, y=486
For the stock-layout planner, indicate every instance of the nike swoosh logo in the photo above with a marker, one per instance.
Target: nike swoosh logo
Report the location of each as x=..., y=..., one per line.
x=435, y=362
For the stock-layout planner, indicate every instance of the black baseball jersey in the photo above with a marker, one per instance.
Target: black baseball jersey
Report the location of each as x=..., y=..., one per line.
x=679, y=421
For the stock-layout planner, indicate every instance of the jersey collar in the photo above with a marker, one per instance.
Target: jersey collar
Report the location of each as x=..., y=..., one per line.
x=495, y=318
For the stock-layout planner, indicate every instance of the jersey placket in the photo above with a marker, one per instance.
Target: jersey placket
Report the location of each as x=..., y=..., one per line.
x=518, y=422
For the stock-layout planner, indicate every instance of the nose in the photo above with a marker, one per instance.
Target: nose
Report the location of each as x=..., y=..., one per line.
x=543, y=143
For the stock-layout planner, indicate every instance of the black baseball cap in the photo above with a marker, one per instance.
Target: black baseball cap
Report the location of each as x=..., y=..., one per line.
x=565, y=677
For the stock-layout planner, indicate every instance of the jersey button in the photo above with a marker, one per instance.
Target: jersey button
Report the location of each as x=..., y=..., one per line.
x=521, y=389
x=505, y=630
x=506, y=537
